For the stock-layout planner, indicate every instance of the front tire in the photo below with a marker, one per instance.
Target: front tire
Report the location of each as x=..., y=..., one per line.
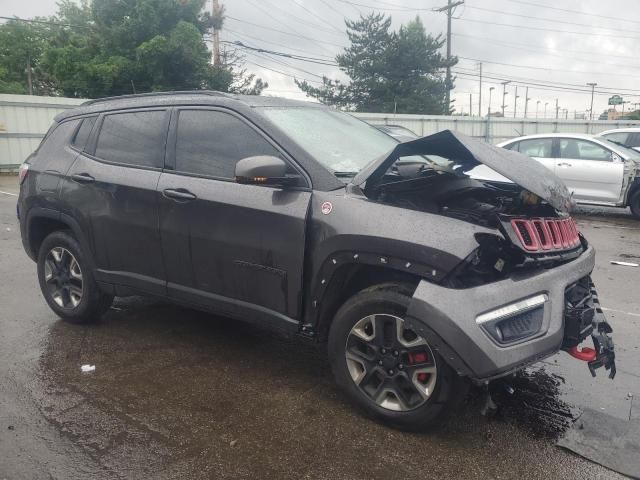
x=66, y=280
x=385, y=367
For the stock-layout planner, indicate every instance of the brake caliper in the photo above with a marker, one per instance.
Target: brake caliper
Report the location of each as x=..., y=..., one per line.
x=584, y=317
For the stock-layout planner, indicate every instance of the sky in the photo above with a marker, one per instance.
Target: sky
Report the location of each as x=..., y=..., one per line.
x=552, y=47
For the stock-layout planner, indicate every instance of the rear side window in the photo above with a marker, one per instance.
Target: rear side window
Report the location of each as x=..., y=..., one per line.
x=82, y=135
x=536, y=147
x=211, y=143
x=634, y=140
x=51, y=149
x=619, y=137
x=136, y=138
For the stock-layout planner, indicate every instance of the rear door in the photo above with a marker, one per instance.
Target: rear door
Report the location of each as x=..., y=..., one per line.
x=227, y=244
x=540, y=149
x=591, y=171
x=111, y=191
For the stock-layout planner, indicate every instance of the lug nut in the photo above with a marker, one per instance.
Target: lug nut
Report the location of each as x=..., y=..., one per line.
x=384, y=351
x=379, y=362
x=401, y=366
x=395, y=353
x=390, y=372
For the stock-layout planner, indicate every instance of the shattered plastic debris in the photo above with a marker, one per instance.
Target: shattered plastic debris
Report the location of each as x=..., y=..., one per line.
x=87, y=368
x=624, y=264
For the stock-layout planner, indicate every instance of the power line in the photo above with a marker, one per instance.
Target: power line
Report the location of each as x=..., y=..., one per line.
x=531, y=17
x=284, y=32
x=242, y=34
x=292, y=56
x=282, y=73
x=532, y=67
x=521, y=46
x=542, y=29
x=318, y=17
x=540, y=5
x=303, y=20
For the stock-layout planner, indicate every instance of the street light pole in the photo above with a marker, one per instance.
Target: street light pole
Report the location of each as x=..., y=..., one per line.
x=491, y=89
x=504, y=95
x=545, y=109
x=526, y=102
x=515, y=103
x=537, y=107
x=593, y=87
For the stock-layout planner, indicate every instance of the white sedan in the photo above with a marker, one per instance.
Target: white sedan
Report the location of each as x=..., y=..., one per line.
x=596, y=170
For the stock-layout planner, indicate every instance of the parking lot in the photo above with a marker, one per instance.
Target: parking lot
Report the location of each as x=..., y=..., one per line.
x=182, y=394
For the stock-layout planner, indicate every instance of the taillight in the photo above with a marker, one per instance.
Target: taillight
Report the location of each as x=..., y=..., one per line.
x=22, y=173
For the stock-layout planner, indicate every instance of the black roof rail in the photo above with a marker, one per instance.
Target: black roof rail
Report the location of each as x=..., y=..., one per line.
x=157, y=94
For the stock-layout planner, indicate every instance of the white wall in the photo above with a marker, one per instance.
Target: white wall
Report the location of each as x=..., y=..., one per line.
x=499, y=129
x=24, y=120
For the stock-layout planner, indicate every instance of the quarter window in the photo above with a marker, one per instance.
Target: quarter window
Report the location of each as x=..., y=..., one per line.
x=536, y=147
x=211, y=143
x=583, y=150
x=82, y=135
x=136, y=138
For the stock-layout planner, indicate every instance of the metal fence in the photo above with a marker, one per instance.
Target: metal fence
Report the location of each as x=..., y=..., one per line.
x=24, y=120
x=493, y=129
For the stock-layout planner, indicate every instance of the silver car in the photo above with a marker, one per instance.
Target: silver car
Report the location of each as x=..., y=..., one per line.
x=597, y=171
x=629, y=137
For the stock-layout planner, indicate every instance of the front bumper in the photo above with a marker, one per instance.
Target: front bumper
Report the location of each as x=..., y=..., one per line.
x=447, y=318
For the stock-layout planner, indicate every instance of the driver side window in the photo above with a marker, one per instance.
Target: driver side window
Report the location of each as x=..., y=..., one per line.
x=583, y=150
x=210, y=142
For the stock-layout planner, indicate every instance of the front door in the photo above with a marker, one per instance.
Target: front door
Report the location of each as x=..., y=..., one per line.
x=592, y=172
x=225, y=243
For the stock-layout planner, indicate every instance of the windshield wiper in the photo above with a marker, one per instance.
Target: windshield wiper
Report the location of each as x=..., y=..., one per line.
x=618, y=143
x=345, y=174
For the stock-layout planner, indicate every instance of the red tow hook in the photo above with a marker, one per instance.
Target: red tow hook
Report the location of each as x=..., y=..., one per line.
x=587, y=354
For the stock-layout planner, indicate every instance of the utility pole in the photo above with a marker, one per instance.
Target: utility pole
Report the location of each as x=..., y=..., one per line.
x=545, y=109
x=216, y=13
x=515, y=102
x=480, y=99
x=470, y=105
x=537, y=107
x=29, y=79
x=557, y=109
x=451, y=5
x=593, y=87
x=526, y=101
x=504, y=95
x=488, y=130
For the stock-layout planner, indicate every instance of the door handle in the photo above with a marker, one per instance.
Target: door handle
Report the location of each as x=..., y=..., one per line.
x=564, y=164
x=82, y=178
x=179, y=194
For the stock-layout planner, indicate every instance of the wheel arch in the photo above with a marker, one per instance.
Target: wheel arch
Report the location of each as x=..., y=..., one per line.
x=342, y=276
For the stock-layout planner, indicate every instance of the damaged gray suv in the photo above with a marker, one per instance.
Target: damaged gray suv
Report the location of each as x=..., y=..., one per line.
x=303, y=219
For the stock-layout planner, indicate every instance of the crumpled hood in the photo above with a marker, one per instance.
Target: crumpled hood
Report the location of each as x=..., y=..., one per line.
x=467, y=153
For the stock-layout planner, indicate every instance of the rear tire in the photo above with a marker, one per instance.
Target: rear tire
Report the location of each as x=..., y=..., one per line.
x=401, y=382
x=634, y=203
x=67, y=282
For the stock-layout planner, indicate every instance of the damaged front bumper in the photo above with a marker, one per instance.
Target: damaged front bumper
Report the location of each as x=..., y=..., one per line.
x=492, y=330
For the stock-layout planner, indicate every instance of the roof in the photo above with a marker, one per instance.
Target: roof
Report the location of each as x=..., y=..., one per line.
x=621, y=130
x=194, y=97
x=581, y=136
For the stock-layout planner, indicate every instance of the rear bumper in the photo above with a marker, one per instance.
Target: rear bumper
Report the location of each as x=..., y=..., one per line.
x=447, y=318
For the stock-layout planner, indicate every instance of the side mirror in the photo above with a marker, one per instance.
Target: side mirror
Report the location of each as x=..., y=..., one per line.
x=263, y=170
x=615, y=157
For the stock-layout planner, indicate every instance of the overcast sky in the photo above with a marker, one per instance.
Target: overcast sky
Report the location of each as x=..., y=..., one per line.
x=550, y=45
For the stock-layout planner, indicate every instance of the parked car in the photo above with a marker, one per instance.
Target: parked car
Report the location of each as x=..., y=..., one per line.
x=629, y=137
x=295, y=217
x=595, y=170
x=402, y=134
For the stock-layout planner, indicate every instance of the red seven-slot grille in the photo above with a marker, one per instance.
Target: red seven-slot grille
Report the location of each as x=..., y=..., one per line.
x=540, y=234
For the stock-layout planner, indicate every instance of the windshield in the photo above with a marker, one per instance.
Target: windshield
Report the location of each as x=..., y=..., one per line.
x=340, y=142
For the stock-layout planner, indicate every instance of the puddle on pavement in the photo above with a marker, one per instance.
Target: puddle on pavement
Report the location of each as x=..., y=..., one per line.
x=181, y=393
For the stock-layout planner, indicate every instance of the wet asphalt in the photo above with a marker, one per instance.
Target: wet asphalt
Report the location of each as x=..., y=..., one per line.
x=182, y=394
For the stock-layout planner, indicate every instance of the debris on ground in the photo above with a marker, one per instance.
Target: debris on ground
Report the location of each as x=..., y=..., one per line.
x=87, y=368
x=624, y=264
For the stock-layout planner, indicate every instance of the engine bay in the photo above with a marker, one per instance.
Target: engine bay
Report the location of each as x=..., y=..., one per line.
x=433, y=188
